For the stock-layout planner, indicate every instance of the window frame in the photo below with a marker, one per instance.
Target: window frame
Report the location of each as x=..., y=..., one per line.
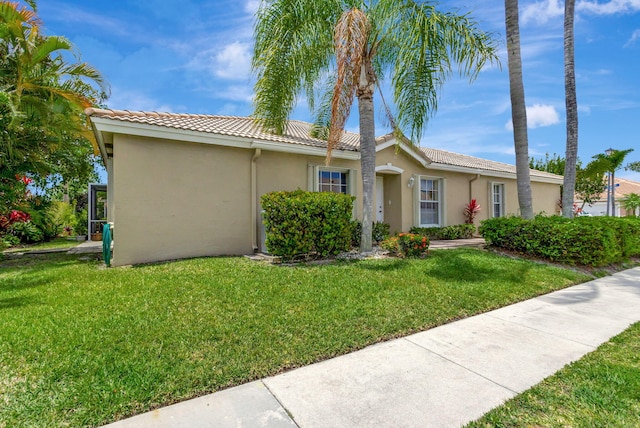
x=503, y=199
x=440, y=201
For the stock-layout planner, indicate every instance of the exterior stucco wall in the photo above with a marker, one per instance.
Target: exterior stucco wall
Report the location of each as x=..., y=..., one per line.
x=175, y=199
x=179, y=200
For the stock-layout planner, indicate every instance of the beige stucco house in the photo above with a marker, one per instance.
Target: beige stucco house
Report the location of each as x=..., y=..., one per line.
x=182, y=185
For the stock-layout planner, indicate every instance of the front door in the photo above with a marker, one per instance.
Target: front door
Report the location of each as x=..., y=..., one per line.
x=379, y=199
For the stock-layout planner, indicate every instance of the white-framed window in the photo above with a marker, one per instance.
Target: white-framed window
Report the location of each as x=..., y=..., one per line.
x=430, y=196
x=333, y=181
x=497, y=200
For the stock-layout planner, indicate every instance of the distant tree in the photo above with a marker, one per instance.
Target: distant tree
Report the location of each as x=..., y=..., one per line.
x=633, y=166
x=571, y=103
x=632, y=202
x=518, y=109
x=589, y=182
x=609, y=162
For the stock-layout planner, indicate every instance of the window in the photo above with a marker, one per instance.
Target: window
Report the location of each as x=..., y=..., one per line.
x=497, y=199
x=333, y=181
x=430, y=202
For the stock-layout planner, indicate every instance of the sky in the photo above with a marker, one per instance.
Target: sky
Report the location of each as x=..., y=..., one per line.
x=193, y=56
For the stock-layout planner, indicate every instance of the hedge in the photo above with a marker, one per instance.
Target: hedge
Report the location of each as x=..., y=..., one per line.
x=304, y=223
x=458, y=231
x=590, y=241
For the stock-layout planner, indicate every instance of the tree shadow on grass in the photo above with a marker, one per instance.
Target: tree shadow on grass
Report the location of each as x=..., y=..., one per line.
x=458, y=266
x=15, y=302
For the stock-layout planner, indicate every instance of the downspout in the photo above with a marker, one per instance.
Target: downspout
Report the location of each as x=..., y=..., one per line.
x=471, y=186
x=254, y=200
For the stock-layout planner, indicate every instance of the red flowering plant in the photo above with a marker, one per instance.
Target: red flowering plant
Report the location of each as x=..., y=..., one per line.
x=14, y=196
x=412, y=245
x=471, y=211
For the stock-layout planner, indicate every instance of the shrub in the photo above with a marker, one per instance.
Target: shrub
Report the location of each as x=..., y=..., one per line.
x=412, y=245
x=459, y=231
x=390, y=244
x=379, y=232
x=591, y=241
x=471, y=210
x=26, y=232
x=303, y=223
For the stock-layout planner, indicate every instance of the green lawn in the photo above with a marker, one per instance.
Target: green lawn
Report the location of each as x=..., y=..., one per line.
x=57, y=243
x=600, y=390
x=85, y=345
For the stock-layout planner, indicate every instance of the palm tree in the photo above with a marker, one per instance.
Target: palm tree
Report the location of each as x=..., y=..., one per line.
x=632, y=202
x=348, y=46
x=571, y=103
x=610, y=161
x=518, y=109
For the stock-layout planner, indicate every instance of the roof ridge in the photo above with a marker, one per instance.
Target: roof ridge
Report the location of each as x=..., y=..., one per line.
x=90, y=111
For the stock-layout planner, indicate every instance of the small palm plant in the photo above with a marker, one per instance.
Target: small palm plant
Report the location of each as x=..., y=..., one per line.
x=471, y=211
x=632, y=203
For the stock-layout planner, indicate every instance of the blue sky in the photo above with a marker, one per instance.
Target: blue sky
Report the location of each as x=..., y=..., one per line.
x=193, y=56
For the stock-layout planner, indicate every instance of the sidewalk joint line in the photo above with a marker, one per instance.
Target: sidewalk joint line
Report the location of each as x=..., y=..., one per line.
x=280, y=403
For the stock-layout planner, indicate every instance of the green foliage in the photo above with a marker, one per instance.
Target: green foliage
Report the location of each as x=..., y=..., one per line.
x=591, y=241
x=553, y=164
x=43, y=217
x=632, y=202
x=412, y=245
x=458, y=231
x=391, y=244
x=302, y=223
x=82, y=217
x=64, y=214
x=26, y=232
x=379, y=232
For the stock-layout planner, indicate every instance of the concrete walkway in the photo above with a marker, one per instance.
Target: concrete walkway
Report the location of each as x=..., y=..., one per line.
x=443, y=377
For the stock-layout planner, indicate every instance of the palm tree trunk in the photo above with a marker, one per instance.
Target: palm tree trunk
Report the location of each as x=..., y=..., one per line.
x=571, y=103
x=518, y=109
x=367, y=151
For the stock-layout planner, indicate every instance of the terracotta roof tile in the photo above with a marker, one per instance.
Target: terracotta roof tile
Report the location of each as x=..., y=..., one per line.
x=297, y=132
x=456, y=159
x=624, y=188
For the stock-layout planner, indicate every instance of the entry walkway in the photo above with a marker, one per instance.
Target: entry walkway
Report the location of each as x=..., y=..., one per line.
x=443, y=377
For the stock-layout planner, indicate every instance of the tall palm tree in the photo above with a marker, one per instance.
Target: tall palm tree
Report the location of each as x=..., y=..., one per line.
x=348, y=46
x=518, y=109
x=571, y=104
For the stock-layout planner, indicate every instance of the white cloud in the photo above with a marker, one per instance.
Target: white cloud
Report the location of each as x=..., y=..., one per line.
x=127, y=99
x=610, y=8
x=538, y=115
x=635, y=36
x=251, y=6
x=541, y=12
x=233, y=61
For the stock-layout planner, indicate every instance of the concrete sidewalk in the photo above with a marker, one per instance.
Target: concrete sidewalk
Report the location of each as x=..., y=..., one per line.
x=443, y=377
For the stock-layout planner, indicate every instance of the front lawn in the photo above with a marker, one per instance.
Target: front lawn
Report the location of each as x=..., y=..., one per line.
x=84, y=345
x=55, y=244
x=600, y=390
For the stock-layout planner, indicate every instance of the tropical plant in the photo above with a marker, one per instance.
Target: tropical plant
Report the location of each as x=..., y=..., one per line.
x=471, y=211
x=518, y=109
x=42, y=98
x=610, y=162
x=632, y=203
x=571, y=103
x=349, y=47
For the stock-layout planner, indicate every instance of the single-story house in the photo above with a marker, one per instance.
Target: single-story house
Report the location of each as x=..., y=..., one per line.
x=187, y=185
x=623, y=188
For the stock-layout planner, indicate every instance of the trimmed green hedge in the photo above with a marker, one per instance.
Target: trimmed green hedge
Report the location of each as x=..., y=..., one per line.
x=458, y=231
x=303, y=223
x=590, y=241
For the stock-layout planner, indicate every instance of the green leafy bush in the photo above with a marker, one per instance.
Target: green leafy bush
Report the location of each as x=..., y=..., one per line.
x=391, y=245
x=304, y=223
x=458, y=231
x=412, y=245
x=591, y=241
x=379, y=232
x=26, y=232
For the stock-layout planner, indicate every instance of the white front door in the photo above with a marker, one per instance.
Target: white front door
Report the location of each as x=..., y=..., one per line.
x=379, y=199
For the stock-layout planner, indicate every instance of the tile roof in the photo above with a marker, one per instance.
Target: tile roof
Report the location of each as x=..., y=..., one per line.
x=456, y=159
x=245, y=127
x=624, y=188
x=297, y=133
